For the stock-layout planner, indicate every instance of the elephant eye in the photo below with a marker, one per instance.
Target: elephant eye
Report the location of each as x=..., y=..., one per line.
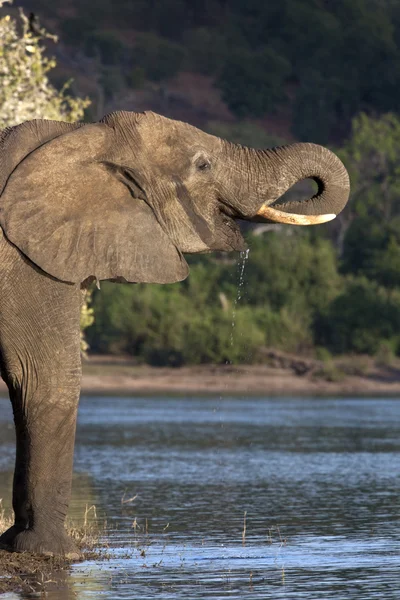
x=203, y=165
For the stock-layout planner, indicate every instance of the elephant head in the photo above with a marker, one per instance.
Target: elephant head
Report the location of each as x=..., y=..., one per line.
x=123, y=198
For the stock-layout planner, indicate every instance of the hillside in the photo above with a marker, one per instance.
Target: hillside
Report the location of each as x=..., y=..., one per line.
x=296, y=69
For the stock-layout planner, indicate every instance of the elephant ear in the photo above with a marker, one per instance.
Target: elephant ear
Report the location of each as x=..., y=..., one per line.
x=19, y=141
x=76, y=216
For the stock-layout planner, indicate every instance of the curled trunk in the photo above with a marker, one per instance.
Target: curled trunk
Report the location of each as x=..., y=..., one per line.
x=271, y=173
x=293, y=163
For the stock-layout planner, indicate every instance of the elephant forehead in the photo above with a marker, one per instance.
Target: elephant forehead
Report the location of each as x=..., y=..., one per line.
x=174, y=140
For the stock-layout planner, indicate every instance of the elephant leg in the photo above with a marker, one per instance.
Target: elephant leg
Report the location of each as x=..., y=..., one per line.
x=42, y=478
x=40, y=363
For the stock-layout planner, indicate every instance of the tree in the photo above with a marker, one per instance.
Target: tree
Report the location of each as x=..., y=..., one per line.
x=158, y=57
x=361, y=318
x=26, y=92
x=371, y=239
x=252, y=84
x=372, y=156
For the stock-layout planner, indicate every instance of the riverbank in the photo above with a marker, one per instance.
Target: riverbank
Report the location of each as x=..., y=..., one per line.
x=40, y=574
x=281, y=374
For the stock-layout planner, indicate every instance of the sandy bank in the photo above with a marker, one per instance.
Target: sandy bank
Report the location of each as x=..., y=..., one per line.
x=287, y=375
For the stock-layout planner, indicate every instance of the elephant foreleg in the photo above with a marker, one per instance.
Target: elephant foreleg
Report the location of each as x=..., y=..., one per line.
x=40, y=362
x=43, y=469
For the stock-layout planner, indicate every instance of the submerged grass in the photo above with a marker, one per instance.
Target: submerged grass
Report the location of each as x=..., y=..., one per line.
x=34, y=573
x=39, y=575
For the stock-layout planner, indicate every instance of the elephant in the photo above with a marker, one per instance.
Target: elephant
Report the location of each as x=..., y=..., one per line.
x=122, y=199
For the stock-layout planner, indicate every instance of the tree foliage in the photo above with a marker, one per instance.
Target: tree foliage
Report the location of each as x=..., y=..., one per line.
x=326, y=61
x=252, y=83
x=201, y=320
x=25, y=91
x=372, y=241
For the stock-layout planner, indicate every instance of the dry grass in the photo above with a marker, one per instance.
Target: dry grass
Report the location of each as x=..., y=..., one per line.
x=5, y=520
x=90, y=536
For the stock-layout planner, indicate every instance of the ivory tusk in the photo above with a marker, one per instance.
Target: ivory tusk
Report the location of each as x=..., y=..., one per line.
x=279, y=216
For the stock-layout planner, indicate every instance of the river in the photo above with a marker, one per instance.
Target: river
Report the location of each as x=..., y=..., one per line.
x=292, y=498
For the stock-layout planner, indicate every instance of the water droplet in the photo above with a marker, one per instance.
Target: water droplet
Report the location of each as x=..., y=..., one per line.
x=242, y=264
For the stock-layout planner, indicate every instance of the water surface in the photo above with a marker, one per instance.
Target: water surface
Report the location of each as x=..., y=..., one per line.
x=316, y=483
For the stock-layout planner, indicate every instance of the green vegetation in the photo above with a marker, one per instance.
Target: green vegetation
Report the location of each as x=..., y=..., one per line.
x=252, y=84
x=25, y=90
x=289, y=281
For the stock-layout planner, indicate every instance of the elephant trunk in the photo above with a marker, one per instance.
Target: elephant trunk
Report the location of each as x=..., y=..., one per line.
x=278, y=169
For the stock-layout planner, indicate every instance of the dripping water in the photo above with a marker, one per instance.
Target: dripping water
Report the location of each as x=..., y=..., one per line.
x=242, y=264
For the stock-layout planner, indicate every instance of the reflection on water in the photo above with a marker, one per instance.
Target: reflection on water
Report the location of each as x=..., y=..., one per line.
x=318, y=478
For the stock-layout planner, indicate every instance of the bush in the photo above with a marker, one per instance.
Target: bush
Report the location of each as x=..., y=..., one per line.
x=372, y=248
x=163, y=325
x=159, y=58
x=26, y=92
x=135, y=78
x=76, y=30
x=289, y=268
x=361, y=318
x=206, y=50
x=384, y=355
x=107, y=46
x=112, y=81
x=287, y=281
x=288, y=328
x=252, y=84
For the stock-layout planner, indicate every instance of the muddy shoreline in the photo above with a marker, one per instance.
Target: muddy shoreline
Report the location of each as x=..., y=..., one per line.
x=22, y=572
x=284, y=375
x=31, y=574
x=241, y=382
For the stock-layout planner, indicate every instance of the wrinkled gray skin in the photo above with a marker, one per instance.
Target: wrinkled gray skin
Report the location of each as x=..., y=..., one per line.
x=121, y=199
